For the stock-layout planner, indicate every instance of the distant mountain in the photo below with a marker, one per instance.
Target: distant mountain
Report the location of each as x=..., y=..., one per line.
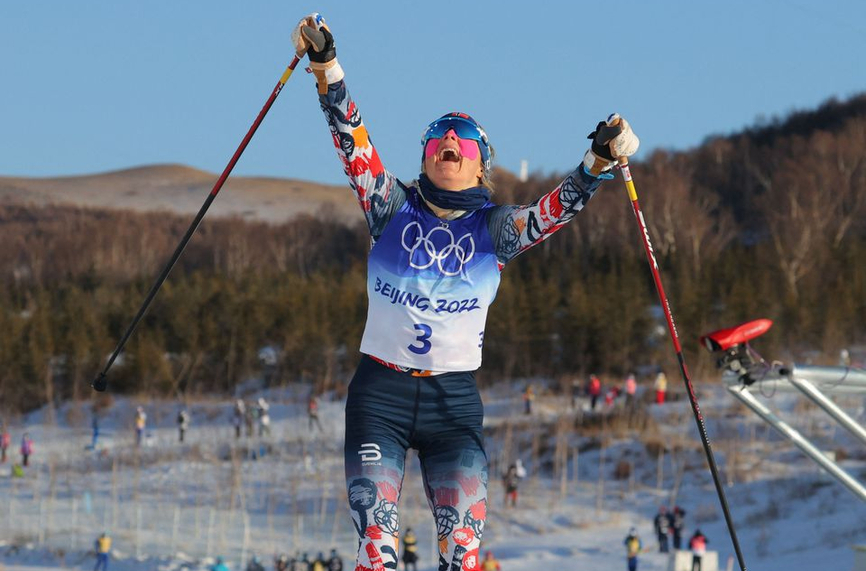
x=182, y=189
x=831, y=116
x=178, y=188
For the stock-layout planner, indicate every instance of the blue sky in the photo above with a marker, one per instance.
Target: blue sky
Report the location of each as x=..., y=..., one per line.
x=108, y=84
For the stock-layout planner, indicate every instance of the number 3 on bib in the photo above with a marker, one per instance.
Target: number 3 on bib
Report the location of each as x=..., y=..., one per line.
x=423, y=339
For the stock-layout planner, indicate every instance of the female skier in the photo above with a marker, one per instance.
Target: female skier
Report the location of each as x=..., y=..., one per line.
x=433, y=270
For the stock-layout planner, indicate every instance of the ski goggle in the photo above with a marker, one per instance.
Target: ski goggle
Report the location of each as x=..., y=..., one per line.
x=464, y=127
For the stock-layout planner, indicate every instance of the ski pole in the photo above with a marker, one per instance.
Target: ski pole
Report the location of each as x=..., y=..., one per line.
x=672, y=328
x=100, y=383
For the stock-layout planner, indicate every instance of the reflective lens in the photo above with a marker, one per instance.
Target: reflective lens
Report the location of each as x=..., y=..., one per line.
x=468, y=148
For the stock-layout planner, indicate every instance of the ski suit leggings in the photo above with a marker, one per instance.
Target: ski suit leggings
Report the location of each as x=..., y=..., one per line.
x=388, y=412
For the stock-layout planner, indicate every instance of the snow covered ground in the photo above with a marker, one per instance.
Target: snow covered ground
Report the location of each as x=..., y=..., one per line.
x=172, y=506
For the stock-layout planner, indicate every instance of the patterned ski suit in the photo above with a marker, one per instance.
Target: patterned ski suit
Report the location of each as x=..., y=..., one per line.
x=430, y=282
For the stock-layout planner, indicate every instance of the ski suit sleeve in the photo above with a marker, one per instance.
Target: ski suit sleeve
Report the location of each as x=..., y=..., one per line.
x=516, y=228
x=378, y=191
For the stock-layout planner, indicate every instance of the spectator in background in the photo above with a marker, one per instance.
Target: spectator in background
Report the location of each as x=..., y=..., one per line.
x=281, y=562
x=318, y=563
x=490, y=563
x=238, y=417
x=335, y=563
x=264, y=417
x=661, y=525
x=102, y=546
x=698, y=545
x=610, y=397
x=313, y=413
x=255, y=564
x=661, y=387
x=630, y=391
x=511, y=480
x=575, y=390
x=410, y=550
x=250, y=414
x=677, y=522
x=220, y=565
x=593, y=390
x=632, y=549
x=26, y=448
x=528, y=397
x=182, y=423
x=140, y=424
x=844, y=358
x=300, y=563
x=5, y=440
x=94, y=426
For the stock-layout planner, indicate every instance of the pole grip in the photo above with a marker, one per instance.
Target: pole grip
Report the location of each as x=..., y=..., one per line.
x=626, y=177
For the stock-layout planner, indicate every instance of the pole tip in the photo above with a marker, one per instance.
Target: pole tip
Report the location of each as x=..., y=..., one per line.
x=100, y=383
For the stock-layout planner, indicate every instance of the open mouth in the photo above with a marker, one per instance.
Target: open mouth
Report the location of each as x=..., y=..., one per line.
x=449, y=155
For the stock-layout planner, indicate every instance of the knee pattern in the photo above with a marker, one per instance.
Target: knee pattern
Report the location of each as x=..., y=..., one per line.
x=461, y=513
x=377, y=521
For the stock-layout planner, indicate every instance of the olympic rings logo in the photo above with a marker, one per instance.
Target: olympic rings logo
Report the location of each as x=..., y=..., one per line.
x=450, y=259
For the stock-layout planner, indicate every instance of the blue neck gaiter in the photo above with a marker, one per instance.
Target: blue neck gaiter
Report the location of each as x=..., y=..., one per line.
x=467, y=199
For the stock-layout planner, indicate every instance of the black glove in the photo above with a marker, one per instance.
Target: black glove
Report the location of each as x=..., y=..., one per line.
x=612, y=139
x=323, y=38
x=601, y=138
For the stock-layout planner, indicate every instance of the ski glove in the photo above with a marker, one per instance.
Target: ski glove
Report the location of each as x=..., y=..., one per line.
x=611, y=140
x=311, y=33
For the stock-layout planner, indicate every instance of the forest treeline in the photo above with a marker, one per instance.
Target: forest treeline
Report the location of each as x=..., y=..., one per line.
x=764, y=223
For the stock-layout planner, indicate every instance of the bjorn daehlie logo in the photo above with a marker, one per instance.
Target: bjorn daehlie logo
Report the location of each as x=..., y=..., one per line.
x=370, y=452
x=438, y=247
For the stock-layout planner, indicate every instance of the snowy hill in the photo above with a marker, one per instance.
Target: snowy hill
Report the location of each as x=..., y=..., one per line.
x=182, y=189
x=171, y=505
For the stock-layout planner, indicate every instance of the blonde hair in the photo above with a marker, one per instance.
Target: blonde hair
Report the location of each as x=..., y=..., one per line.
x=486, y=182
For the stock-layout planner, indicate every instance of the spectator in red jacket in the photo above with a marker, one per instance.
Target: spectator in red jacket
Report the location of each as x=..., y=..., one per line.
x=630, y=391
x=661, y=387
x=594, y=390
x=5, y=440
x=698, y=545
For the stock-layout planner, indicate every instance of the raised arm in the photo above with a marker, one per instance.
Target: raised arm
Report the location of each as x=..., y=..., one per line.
x=516, y=228
x=520, y=227
x=378, y=192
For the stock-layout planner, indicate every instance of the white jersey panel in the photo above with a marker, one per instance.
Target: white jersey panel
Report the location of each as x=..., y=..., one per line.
x=430, y=283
